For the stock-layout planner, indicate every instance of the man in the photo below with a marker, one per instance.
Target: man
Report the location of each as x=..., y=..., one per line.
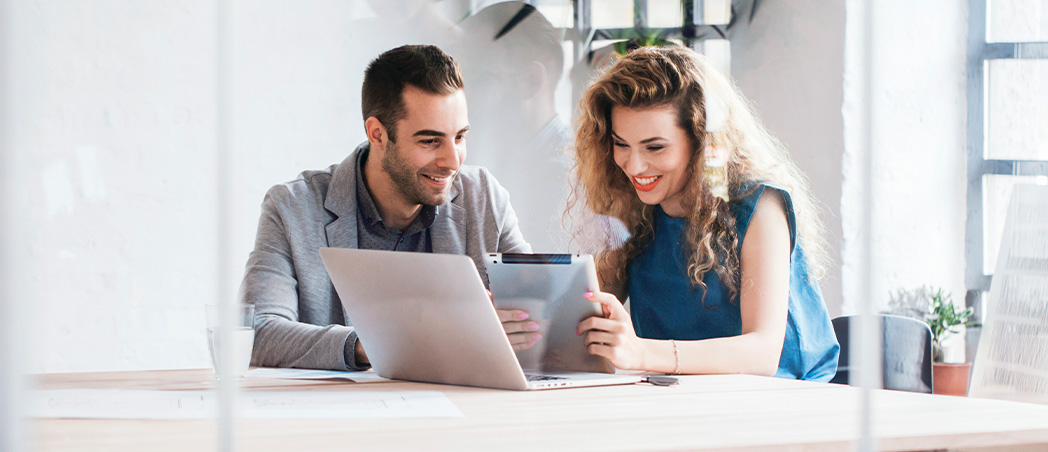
x=405, y=189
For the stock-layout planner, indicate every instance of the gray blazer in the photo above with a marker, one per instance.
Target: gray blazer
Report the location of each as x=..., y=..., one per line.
x=299, y=320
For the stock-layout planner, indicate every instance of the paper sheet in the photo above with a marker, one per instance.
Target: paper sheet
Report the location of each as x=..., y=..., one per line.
x=135, y=404
x=1012, y=360
x=308, y=374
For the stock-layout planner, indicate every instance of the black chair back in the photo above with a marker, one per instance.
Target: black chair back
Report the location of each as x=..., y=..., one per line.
x=907, y=346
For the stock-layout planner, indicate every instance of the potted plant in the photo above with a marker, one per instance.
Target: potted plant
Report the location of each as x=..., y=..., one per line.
x=944, y=319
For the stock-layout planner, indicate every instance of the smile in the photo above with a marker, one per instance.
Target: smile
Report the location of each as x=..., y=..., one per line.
x=439, y=180
x=646, y=183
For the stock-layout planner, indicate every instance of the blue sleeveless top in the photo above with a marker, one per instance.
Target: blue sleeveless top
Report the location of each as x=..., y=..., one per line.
x=665, y=305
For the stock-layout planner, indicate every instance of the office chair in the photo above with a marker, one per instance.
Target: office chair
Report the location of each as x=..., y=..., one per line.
x=907, y=347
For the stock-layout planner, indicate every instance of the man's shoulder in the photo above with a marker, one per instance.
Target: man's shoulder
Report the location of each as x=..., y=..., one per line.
x=315, y=184
x=478, y=185
x=475, y=176
x=308, y=184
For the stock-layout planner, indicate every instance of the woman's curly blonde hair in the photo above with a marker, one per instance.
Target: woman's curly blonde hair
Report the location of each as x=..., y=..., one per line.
x=681, y=78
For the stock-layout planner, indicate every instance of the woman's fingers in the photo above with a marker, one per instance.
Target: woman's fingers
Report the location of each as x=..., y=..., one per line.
x=601, y=337
x=601, y=350
x=522, y=333
x=523, y=341
x=600, y=324
x=514, y=321
x=511, y=315
x=610, y=304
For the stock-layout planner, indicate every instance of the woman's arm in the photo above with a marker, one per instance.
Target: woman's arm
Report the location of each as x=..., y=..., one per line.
x=764, y=301
x=608, y=281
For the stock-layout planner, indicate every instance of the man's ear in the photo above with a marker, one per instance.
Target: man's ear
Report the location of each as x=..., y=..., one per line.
x=534, y=80
x=377, y=133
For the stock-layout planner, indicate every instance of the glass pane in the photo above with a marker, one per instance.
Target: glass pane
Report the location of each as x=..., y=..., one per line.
x=664, y=13
x=612, y=14
x=997, y=192
x=715, y=12
x=560, y=13
x=718, y=51
x=1017, y=21
x=1017, y=115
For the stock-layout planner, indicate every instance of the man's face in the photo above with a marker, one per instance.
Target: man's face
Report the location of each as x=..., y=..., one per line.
x=430, y=146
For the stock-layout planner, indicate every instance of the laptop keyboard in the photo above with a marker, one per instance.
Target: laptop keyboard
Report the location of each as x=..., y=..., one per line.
x=543, y=378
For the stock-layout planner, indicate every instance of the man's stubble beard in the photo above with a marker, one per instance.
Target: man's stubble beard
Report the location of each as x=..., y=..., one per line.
x=406, y=179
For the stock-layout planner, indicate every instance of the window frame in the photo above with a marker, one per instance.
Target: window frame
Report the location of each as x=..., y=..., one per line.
x=980, y=53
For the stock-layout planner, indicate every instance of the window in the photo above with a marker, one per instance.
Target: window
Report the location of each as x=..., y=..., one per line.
x=590, y=25
x=1007, y=123
x=701, y=24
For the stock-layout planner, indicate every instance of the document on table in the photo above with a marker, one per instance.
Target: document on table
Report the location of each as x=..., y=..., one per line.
x=309, y=374
x=137, y=404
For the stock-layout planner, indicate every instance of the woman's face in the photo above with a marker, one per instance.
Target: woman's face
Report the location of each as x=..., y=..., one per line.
x=653, y=152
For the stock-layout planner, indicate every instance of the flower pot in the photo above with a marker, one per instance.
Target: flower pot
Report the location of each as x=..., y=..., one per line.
x=950, y=379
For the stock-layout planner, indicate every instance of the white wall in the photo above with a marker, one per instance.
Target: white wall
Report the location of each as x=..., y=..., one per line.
x=790, y=61
x=116, y=154
x=799, y=61
x=114, y=160
x=918, y=145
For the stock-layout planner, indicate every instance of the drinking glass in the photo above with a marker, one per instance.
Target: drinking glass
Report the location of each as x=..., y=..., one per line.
x=243, y=337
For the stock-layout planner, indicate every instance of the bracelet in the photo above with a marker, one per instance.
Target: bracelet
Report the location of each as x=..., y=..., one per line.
x=676, y=357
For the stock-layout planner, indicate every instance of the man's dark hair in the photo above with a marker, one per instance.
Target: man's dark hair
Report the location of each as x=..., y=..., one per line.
x=512, y=35
x=422, y=66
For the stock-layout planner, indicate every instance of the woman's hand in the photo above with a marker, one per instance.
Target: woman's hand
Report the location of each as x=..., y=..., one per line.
x=612, y=336
x=522, y=333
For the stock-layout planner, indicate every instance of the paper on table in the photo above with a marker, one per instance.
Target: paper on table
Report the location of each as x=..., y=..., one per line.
x=121, y=404
x=136, y=404
x=348, y=405
x=308, y=374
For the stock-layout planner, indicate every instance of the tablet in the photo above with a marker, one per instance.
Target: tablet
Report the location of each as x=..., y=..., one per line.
x=550, y=288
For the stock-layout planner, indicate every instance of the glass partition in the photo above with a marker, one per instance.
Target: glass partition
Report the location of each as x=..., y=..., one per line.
x=150, y=133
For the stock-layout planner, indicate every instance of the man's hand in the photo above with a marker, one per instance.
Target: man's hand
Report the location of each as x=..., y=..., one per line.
x=360, y=355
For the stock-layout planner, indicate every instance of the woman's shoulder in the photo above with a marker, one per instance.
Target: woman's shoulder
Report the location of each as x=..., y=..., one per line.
x=745, y=199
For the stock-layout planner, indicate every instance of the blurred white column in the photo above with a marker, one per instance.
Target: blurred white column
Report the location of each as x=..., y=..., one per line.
x=865, y=345
x=13, y=431
x=227, y=386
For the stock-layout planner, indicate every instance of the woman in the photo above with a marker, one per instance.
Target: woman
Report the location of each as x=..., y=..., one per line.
x=724, y=243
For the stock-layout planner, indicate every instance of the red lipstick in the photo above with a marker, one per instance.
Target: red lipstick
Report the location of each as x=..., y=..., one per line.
x=649, y=187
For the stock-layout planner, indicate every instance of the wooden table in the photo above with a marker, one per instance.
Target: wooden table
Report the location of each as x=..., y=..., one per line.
x=722, y=412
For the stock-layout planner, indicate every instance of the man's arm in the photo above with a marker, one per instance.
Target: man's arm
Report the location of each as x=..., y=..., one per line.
x=271, y=283
x=511, y=240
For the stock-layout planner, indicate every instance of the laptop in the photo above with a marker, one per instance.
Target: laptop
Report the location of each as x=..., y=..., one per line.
x=427, y=317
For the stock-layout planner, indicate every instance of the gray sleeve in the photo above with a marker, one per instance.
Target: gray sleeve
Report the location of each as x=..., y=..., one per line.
x=271, y=284
x=511, y=240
